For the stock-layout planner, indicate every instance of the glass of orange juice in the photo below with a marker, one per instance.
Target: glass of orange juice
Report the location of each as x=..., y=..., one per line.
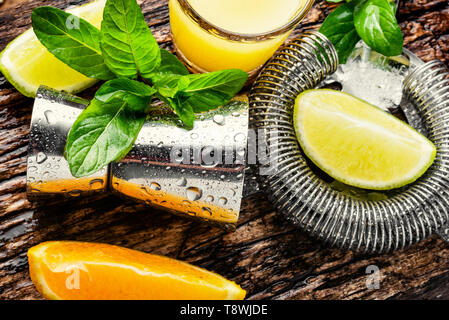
x=211, y=35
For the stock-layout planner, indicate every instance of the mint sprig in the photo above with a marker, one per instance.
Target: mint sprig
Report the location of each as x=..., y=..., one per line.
x=125, y=52
x=373, y=21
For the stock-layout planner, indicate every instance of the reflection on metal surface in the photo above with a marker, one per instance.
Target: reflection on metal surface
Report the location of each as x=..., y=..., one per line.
x=189, y=171
x=48, y=172
x=197, y=173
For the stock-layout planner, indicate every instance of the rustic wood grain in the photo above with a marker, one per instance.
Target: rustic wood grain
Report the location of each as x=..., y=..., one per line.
x=269, y=258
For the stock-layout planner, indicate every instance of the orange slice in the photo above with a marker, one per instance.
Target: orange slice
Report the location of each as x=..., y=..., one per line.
x=71, y=270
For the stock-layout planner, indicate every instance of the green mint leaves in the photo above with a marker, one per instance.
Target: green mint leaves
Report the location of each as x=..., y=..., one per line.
x=194, y=93
x=104, y=132
x=125, y=53
x=137, y=94
x=373, y=21
x=376, y=24
x=339, y=29
x=171, y=65
x=212, y=89
x=77, y=47
x=127, y=43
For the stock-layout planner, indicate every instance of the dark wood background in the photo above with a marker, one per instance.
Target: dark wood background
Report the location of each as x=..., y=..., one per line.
x=265, y=255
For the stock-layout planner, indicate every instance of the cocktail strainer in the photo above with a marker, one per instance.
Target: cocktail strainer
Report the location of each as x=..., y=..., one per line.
x=340, y=215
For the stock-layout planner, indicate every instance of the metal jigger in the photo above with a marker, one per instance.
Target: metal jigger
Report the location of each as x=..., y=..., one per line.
x=199, y=173
x=48, y=173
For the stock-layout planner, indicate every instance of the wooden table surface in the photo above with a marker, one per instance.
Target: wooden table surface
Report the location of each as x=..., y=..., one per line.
x=265, y=255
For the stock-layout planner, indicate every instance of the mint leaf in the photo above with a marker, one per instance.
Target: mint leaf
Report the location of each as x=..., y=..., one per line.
x=127, y=44
x=194, y=93
x=77, y=47
x=168, y=85
x=169, y=74
x=376, y=24
x=171, y=65
x=339, y=28
x=184, y=111
x=208, y=91
x=104, y=132
x=137, y=94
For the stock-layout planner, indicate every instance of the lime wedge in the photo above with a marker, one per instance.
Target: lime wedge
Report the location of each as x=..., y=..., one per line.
x=27, y=64
x=358, y=143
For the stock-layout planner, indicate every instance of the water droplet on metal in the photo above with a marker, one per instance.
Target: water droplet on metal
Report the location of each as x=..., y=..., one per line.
x=155, y=186
x=49, y=116
x=194, y=135
x=210, y=198
x=206, y=210
x=41, y=157
x=96, y=184
x=74, y=193
x=182, y=182
x=239, y=137
x=222, y=201
x=235, y=114
x=210, y=165
x=32, y=169
x=193, y=193
x=219, y=119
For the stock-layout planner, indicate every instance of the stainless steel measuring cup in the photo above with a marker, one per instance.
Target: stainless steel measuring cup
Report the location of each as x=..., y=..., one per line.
x=198, y=173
